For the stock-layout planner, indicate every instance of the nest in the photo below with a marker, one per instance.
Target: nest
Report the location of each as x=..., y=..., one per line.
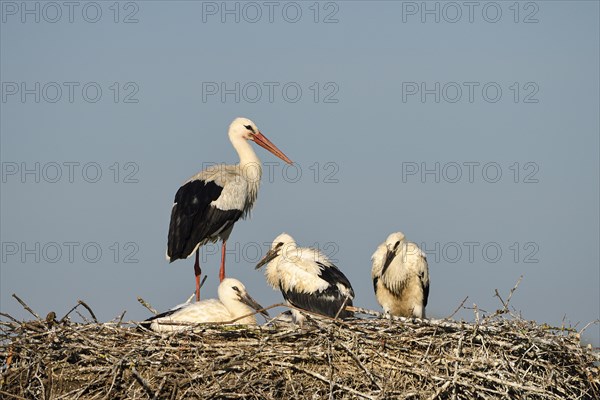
x=373, y=358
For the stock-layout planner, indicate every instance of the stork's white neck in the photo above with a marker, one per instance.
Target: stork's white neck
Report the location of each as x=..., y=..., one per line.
x=249, y=161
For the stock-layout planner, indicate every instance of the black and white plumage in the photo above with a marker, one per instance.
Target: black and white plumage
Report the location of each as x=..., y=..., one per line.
x=207, y=206
x=307, y=279
x=400, y=277
x=234, y=302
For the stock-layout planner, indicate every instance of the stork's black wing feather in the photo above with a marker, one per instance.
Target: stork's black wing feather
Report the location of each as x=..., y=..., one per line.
x=328, y=301
x=333, y=276
x=146, y=323
x=194, y=220
x=425, y=285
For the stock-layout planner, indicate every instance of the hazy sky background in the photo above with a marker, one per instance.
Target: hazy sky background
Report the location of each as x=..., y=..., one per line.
x=360, y=133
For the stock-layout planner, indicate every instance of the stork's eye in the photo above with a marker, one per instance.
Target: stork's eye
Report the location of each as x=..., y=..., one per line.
x=235, y=288
x=249, y=127
x=396, y=245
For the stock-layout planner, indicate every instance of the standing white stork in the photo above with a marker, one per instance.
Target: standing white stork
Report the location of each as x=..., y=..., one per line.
x=307, y=279
x=210, y=202
x=400, y=277
x=234, y=302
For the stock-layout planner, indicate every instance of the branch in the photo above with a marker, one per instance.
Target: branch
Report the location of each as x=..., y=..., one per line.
x=457, y=308
x=26, y=307
x=323, y=379
x=147, y=305
x=142, y=382
x=89, y=309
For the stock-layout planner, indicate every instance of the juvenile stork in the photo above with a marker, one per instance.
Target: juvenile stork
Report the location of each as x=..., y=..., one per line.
x=234, y=302
x=400, y=277
x=210, y=202
x=307, y=279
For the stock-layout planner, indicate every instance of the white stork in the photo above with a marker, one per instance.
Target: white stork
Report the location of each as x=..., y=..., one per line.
x=234, y=302
x=307, y=279
x=210, y=202
x=400, y=277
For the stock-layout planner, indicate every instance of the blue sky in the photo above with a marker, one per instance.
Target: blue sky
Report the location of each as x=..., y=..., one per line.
x=475, y=131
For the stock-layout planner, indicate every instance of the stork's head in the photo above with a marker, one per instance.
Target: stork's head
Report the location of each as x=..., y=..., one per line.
x=243, y=128
x=232, y=291
x=394, y=244
x=394, y=240
x=282, y=240
x=281, y=246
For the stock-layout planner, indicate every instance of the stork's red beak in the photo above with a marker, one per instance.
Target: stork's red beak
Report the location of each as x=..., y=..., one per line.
x=265, y=143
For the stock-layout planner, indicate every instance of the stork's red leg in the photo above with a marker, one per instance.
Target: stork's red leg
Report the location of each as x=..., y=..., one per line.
x=222, y=270
x=197, y=272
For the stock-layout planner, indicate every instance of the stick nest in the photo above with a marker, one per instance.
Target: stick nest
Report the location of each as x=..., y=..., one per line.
x=371, y=358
